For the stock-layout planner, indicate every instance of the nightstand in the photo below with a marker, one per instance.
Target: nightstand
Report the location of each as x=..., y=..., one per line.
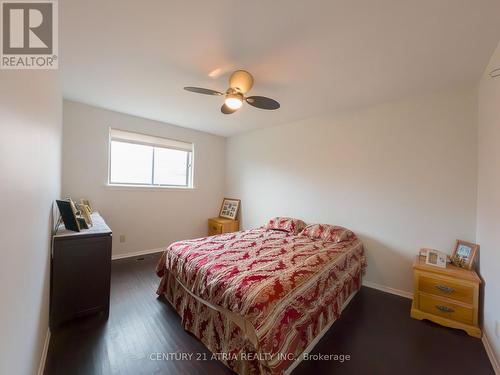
x=219, y=225
x=447, y=296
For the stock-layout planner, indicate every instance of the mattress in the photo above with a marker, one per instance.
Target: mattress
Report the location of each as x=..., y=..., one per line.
x=257, y=299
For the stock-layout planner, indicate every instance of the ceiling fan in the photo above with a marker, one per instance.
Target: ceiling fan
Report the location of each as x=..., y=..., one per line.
x=240, y=83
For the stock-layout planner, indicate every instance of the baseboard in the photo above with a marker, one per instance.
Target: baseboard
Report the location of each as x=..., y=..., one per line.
x=136, y=253
x=491, y=354
x=383, y=288
x=43, y=358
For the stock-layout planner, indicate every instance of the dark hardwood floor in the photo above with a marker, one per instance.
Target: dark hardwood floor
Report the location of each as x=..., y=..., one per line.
x=375, y=330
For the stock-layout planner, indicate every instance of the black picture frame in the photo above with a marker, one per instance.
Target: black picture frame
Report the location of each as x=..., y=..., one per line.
x=68, y=215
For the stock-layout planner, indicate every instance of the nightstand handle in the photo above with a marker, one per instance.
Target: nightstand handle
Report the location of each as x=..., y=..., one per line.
x=445, y=309
x=445, y=289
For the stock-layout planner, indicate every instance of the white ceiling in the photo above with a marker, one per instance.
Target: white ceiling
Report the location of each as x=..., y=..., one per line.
x=312, y=56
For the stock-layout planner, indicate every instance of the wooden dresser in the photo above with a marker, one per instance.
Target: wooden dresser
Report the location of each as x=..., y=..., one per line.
x=80, y=272
x=219, y=225
x=447, y=296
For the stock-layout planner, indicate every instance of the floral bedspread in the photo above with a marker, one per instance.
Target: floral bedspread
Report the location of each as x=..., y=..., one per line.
x=286, y=286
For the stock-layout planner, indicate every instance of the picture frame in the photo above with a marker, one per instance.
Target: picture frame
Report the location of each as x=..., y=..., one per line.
x=464, y=254
x=87, y=203
x=229, y=208
x=436, y=258
x=85, y=213
x=423, y=252
x=68, y=214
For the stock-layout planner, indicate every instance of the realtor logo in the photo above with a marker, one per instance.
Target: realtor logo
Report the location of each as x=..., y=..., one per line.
x=29, y=35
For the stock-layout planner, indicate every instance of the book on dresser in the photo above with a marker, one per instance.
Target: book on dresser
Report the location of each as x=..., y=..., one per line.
x=80, y=272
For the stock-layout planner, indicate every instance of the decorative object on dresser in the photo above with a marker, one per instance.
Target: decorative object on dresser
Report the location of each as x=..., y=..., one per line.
x=464, y=254
x=435, y=258
x=447, y=296
x=85, y=213
x=68, y=214
x=219, y=225
x=86, y=202
x=229, y=208
x=80, y=272
x=423, y=252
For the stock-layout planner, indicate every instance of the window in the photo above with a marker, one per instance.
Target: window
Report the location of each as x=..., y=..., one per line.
x=143, y=160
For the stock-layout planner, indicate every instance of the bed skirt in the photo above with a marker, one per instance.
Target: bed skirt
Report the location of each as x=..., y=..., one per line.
x=232, y=339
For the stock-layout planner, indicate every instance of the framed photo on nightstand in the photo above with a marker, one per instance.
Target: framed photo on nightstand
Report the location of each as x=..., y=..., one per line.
x=435, y=258
x=464, y=254
x=229, y=208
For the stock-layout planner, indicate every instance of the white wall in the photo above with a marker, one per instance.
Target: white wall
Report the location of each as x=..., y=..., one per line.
x=401, y=175
x=148, y=217
x=30, y=167
x=488, y=203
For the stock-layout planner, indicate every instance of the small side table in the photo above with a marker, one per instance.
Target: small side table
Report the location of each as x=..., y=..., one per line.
x=447, y=296
x=219, y=225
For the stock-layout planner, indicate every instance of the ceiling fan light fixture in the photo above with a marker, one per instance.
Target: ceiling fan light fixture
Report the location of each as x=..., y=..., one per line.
x=234, y=101
x=240, y=83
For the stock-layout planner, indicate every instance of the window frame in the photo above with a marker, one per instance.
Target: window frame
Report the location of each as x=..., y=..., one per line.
x=189, y=163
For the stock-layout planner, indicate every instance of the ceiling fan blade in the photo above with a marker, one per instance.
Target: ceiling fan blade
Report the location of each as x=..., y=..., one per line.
x=226, y=110
x=201, y=90
x=262, y=102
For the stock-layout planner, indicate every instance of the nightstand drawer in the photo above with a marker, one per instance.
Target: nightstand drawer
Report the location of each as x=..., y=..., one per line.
x=448, y=289
x=219, y=225
x=441, y=307
x=214, y=228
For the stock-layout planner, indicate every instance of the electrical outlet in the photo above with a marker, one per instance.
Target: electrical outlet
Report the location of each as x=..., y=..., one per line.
x=497, y=329
x=122, y=238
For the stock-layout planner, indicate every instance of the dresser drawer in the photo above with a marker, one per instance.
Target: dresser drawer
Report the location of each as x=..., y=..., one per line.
x=214, y=228
x=448, y=289
x=441, y=307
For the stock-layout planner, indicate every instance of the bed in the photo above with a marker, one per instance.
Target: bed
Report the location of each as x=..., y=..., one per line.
x=259, y=298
